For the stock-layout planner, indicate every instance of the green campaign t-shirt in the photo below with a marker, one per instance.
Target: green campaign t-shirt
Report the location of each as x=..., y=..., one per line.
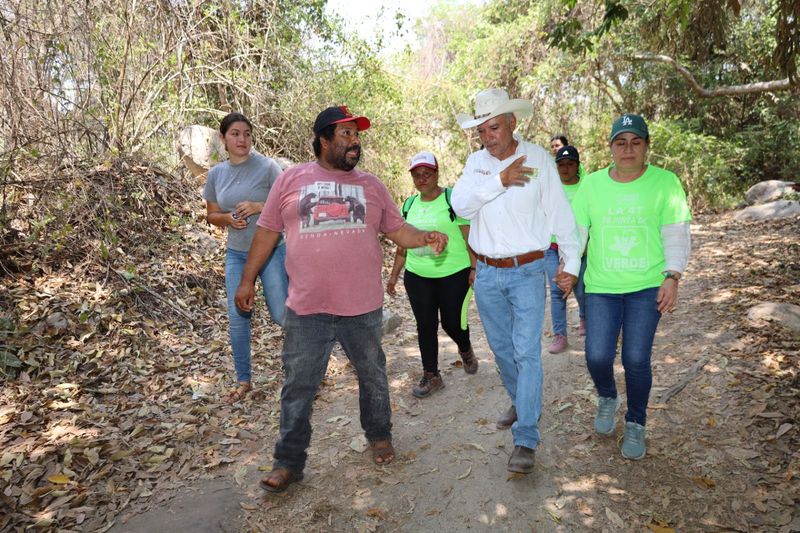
x=435, y=216
x=570, y=191
x=625, y=251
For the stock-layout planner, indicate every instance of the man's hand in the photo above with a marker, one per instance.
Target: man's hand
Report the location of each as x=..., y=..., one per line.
x=565, y=281
x=410, y=237
x=245, y=297
x=516, y=175
x=436, y=240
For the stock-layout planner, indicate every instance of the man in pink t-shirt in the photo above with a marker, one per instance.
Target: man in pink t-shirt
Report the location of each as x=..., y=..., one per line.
x=331, y=215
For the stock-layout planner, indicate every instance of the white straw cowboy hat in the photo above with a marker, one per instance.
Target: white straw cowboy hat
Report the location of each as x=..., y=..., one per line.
x=491, y=103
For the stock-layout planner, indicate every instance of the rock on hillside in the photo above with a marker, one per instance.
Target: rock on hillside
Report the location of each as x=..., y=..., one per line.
x=768, y=191
x=770, y=211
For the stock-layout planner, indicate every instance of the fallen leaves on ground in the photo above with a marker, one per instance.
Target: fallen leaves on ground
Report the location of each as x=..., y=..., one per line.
x=119, y=371
x=123, y=358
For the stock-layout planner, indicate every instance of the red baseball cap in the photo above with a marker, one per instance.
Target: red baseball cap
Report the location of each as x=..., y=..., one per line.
x=336, y=115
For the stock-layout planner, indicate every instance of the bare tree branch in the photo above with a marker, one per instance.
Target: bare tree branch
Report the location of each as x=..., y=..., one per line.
x=729, y=90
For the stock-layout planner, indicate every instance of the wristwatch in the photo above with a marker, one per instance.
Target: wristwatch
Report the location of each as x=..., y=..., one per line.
x=673, y=275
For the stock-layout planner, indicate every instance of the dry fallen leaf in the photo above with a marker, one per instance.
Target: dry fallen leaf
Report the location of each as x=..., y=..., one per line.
x=58, y=479
x=704, y=482
x=376, y=512
x=783, y=430
x=561, y=501
x=239, y=476
x=584, y=508
x=659, y=528
x=42, y=523
x=615, y=519
x=741, y=453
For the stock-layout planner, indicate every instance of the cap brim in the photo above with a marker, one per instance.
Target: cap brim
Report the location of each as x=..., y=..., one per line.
x=362, y=123
x=434, y=167
x=520, y=108
x=635, y=131
x=566, y=157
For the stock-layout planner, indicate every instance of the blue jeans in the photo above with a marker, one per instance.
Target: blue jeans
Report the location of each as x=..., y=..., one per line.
x=511, y=305
x=637, y=316
x=558, y=305
x=306, y=350
x=275, y=285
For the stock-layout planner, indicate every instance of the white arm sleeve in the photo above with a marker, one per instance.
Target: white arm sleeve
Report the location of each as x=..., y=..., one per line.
x=583, y=238
x=677, y=241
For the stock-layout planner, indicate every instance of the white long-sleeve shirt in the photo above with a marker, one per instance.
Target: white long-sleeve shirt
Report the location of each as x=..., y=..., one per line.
x=511, y=221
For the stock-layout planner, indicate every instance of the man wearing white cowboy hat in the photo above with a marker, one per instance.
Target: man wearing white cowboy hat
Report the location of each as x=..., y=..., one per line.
x=511, y=193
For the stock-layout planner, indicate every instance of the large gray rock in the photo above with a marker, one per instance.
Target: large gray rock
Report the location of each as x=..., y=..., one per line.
x=283, y=162
x=58, y=322
x=200, y=148
x=391, y=321
x=787, y=315
x=202, y=240
x=768, y=191
x=772, y=210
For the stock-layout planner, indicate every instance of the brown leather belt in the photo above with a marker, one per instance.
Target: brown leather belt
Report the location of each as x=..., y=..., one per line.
x=510, y=262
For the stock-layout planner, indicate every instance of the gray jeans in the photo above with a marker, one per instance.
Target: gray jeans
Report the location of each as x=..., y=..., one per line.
x=306, y=350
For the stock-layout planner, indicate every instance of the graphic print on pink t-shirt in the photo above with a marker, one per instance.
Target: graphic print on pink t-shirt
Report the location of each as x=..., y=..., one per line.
x=327, y=205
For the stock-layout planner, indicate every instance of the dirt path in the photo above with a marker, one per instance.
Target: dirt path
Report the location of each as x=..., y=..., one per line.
x=710, y=465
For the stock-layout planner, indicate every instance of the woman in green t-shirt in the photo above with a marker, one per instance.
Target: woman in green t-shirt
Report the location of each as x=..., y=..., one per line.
x=637, y=221
x=436, y=284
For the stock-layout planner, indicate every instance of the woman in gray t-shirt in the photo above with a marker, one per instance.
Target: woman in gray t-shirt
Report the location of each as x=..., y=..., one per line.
x=235, y=193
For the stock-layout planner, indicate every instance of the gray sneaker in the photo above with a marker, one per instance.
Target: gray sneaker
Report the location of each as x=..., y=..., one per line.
x=606, y=409
x=633, y=442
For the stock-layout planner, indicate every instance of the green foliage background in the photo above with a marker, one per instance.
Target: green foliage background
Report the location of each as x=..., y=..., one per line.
x=92, y=81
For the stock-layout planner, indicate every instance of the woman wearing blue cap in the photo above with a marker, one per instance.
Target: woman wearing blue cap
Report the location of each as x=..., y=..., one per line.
x=637, y=221
x=568, y=162
x=436, y=284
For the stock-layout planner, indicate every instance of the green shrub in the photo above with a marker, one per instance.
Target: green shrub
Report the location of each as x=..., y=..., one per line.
x=711, y=169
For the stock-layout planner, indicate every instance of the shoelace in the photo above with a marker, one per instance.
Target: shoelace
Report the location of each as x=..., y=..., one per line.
x=607, y=408
x=634, y=435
